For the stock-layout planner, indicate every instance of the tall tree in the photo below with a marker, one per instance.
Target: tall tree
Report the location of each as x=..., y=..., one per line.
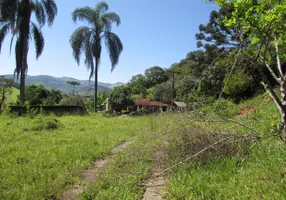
x=138, y=85
x=16, y=17
x=155, y=75
x=216, y=33
x=73, y=83
x=264, y=24
x=88, y=39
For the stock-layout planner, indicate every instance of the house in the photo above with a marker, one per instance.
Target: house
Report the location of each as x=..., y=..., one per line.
x=150, y=104
x=177, y=105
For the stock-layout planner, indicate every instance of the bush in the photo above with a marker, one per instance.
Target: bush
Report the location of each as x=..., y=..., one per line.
x=141, y=112
x=72, y=101
x=225, y=108
x=44, y=123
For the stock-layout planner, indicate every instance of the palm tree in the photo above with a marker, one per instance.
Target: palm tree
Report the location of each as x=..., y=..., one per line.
x=87, y=39
x=15, y=17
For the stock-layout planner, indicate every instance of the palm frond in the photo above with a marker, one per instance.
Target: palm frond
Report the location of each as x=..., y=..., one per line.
x=83, y=14
x=51, y=10
x=77, y=40
x=19, y=57
x=3, y=32
x=114, y=47
x=88, y=43
x=111, y=17
x=38, y=39
x=101, y=7
x=11, y=42
x=8, y=9
x=40, y=13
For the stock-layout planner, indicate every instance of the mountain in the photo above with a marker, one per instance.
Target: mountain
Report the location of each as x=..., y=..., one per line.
x=51, y=82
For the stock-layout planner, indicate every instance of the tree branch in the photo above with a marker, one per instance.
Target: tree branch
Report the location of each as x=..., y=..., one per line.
x=279, y=66
x=273, y=73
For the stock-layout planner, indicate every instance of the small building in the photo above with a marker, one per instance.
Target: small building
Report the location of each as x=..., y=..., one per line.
x=150, y=104
x=177, y=105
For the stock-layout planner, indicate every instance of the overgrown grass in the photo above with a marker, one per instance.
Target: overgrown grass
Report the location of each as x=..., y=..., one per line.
x=125, y=175
x=259, y=174
x=256, y=176
x=40, y=156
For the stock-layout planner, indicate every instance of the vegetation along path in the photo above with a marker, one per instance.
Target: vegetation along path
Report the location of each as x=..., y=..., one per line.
x=156, y=182
x=90, y=175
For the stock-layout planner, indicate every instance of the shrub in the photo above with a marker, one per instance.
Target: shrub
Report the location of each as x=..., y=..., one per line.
x=72, y=101
x=44, y=123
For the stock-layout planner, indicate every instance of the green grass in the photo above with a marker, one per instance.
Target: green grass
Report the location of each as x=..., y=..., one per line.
x=256, y=175
x=128, y=170
x=39, y=156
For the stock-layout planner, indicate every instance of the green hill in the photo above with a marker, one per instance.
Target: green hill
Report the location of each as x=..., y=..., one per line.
x=50, y=82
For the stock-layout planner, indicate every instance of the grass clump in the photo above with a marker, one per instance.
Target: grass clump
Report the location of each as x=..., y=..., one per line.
x=44, y=123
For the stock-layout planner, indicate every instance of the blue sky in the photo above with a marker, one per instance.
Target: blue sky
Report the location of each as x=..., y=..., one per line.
x=153, y=32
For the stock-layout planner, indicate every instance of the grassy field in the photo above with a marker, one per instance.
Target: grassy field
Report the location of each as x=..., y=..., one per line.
x=42, y=155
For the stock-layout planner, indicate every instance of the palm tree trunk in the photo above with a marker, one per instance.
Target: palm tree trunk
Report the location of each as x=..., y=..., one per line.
x=95, y=83
x=22, y=86
x=24, y=34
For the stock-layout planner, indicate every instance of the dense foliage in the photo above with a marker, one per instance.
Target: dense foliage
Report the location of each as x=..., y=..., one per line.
x=39, y=95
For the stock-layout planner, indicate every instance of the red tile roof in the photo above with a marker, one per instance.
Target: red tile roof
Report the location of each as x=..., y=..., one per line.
x=142, y=102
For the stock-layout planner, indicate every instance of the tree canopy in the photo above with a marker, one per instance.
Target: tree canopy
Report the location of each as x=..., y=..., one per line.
x=16, y=18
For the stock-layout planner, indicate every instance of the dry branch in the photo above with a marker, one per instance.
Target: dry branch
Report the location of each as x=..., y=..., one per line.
x=224, y=141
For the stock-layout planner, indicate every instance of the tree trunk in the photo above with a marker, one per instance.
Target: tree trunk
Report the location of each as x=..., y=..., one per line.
x=283, y=108
x=95, y=83
x=24, y=38
x=22, y=86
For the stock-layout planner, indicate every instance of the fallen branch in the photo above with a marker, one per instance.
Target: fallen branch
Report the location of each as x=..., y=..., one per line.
x=219, y=121
x=226, y=140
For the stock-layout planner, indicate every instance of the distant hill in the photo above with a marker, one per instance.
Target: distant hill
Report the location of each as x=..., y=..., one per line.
x=51, y=82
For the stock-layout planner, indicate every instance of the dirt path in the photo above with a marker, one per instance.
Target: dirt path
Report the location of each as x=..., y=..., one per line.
x=156, y=182
x=91, y=174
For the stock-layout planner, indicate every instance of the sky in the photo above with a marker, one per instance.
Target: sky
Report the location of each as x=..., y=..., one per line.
x=153, y=33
